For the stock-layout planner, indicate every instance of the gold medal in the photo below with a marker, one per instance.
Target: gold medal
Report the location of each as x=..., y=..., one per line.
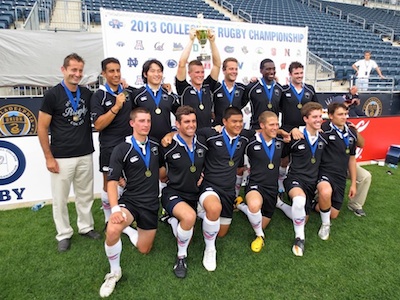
x=147, y=173
x=75, y=118
x=158, y=110
x=299, y=106
x=270, y=166
x=313, y=160
x=231, y=163
x=269, y=105
x=347, y=151
x=201, y=106
x=192, y=168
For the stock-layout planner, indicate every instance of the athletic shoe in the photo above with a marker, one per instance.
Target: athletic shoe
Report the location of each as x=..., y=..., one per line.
x=359, y=212
x=210, y=260
x=164, y=216
x=257, y=244
x=324, y=231
x=238, y=200
x=110, y=280
x=298, y=247
x=180, y=267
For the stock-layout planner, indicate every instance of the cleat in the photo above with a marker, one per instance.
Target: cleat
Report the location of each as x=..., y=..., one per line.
x=180, y=267
x=298, y=247
x=257, y=244
x=324, y=231
x=164, y=216
x=238, y=200
x=359, y=212
x=210, y=260
x=110, y=280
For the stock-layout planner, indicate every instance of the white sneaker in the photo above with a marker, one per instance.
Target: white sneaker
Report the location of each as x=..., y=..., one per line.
x=210, y=260
x=110, y=280
x=324, y=231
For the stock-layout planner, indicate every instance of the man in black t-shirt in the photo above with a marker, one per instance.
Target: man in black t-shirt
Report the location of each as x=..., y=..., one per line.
x=66, y=113
x=137, y=160
x=197, y=93
x=184, y=160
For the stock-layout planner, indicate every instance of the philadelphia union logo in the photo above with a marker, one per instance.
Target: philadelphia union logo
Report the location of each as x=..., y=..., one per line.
x=16, y=120
x=373, y=107
x=12, y=163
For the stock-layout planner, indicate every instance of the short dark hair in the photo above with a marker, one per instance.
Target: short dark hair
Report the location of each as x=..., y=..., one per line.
x=309, y=107
x=228, y=60
x=107, y=61
x=334, y=106
x=137, y=110
x=146, y=67
x=295, y=65
x=231, y=111
x=184, y=110
x=264, y=61
x=72, y=56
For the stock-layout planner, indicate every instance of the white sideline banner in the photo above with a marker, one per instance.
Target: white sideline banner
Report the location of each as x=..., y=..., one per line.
x=24, y=177
x=134, y=38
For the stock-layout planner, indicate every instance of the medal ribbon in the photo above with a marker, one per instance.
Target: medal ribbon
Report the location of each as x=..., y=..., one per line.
x=200, y=94
x=269, y=150
x=74, y=101
x=313, y=147
x=300, y=95
x=267, y=90
x=188, y=151
x=229, y=95
x=231, y=148
x=345, y=135
x=157, y=98
x=109, y=90
x=145, y=158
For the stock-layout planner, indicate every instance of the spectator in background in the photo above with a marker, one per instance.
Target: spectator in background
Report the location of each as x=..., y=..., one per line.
x=363, y=68
x=352, y=101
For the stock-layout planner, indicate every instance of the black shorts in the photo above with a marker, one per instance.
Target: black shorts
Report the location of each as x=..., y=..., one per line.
x=269, y=198
x=171, y=197
x=307, y=187
x=104, y=158
x=338, y=188
x=146, y=218
x=227, y=197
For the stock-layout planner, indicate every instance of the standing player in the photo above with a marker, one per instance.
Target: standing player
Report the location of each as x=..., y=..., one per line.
x=110, y=109
x=197, y=93
x=137, y=160
x=225, y=152
x=264, y=151
x=184, y=159
x=339, y=155
x=66, y=112
x=300, y=184
x=156, y=98
x=264, y=94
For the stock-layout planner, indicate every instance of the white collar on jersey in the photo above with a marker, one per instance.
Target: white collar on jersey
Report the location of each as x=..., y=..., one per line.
x=259, y=139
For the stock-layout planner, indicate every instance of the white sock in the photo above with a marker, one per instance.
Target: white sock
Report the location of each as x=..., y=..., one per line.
x=282, y=172
x=238, y=184
x=287, y=209
x=183, y=240
x=281, y=178
x=114, y=254
x=161, y=185
x=299, y=216
x=210, y=232
x=255, y=220
x=174, y=225
x=325, y=217
x=132, y=234
x=106, y=206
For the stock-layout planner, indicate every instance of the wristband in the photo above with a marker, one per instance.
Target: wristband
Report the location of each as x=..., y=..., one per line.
x=112, y=111
x=115, y=209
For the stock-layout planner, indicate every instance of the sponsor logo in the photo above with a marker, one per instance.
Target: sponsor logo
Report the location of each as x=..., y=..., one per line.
x=229, y=49
x=259, y=50
x=139, y=45
x=12, y=163
x=158, y=46
x=132, y=62
x=115, y=23
x=139, y=80
x=120, y=44
x=17, y=120
x=245, y=50
x=134, y=159
x=171, y=63
x=176, y=156
x=177, y=47
x=372, y=107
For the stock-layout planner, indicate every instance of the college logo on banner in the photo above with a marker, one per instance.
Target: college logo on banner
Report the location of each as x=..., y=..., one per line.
x=12, y=163
x=17, y=120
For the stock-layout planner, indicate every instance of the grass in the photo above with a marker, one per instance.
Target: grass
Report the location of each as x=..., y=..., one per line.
x=360, y=260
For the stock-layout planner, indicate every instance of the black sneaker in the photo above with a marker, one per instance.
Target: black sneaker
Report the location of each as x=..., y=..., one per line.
x=164, y=216
x=298, y=247
x=180, y=267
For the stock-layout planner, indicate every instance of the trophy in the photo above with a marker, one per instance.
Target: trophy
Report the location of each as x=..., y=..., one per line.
x=202, y=36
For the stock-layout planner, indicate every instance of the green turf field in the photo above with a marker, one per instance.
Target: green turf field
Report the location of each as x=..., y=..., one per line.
x=359, y=261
